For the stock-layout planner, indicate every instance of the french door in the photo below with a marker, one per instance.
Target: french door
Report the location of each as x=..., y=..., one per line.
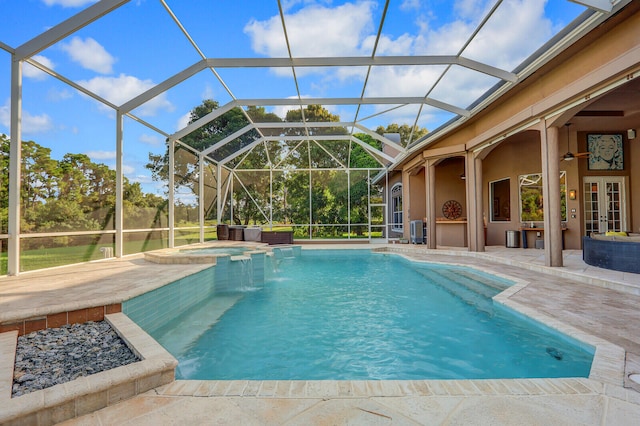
x=605, y=206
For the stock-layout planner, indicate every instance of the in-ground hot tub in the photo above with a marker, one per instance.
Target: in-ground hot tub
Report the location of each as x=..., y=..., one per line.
x=203, y=253
x=618, y=253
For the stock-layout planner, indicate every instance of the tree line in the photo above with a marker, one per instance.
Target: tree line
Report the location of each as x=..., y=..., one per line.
x=70, y=194
x=77, y=194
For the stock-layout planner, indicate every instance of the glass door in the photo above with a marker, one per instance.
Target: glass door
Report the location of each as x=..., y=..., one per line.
x=604, y=204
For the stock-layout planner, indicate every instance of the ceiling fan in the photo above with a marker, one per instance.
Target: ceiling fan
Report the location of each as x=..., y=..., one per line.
x=569, y=156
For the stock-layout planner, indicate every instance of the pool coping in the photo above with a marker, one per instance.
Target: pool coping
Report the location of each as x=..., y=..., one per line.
x=608, y=364
x=157, y=371
x=171, y=256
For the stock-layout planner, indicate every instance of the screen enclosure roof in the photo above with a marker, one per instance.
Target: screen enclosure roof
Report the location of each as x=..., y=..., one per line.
x=424, y=64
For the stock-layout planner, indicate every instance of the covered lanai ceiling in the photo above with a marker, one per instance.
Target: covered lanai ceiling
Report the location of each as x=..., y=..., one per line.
x=430, y=64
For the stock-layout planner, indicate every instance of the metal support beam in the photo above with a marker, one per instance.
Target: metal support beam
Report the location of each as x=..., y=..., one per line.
x=372, y=150
x=218, y=193
x=15, y=160
x=362, y=61
x=392, y=100
x=228, y=139
x=201, y=196
x=381, y=138
x=119, y=220
x=204, y=120
x=601, y=5
x=163, y=87
x=240, y=151
x=172, y=187
x=67, y=27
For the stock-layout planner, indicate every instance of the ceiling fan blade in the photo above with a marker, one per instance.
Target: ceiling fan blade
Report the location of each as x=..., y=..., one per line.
x=571, y=156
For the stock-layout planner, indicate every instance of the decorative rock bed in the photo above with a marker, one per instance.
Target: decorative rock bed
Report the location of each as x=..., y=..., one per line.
x=85, y=394
x=53, y=356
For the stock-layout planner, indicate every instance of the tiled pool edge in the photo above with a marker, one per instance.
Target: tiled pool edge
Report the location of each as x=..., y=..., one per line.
x=608, y=364
x=608, y=360
x=328, y=389
x=559, y=272
x=91, y=393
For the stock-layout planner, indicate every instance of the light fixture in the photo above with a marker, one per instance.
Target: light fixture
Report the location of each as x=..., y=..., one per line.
x=631, y=134
x=569, y=155
x=572, y=194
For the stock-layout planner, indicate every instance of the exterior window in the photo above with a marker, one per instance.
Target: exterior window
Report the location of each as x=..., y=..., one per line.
x=531, y=206
x=396, y=203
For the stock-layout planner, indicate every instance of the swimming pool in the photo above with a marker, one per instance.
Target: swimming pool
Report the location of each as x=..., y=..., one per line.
x=357, y=315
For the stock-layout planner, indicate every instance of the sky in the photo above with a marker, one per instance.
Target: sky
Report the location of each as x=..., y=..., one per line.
x=139, y=45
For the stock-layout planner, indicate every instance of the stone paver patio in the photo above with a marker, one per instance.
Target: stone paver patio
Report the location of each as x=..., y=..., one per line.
x=601, y=305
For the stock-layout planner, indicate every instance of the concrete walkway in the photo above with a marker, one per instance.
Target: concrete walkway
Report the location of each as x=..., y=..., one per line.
x=602, y=303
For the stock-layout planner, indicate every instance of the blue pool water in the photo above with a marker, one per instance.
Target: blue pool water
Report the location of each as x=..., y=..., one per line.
x=354, y=315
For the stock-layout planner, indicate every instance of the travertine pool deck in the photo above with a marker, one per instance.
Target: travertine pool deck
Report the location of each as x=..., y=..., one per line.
x=598, y=306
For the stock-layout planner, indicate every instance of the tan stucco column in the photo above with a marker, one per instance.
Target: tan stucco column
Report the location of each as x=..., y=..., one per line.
x=475, y=217
x=551, y=196
x=430, y=185
x=406, y=205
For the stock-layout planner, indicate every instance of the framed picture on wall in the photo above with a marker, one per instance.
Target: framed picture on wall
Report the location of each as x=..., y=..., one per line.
x=605, y=151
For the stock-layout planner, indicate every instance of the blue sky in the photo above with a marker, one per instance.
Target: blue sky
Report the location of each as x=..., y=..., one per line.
x=138, y=45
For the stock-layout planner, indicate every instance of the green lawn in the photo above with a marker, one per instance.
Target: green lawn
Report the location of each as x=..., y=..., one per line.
x=49, y=257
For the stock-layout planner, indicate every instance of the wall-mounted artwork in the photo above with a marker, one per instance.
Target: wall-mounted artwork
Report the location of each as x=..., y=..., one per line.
x=605, y=152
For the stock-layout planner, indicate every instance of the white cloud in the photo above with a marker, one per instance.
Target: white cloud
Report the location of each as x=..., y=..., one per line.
x=183, y=121
x=517, y=30
x=290, y=4
x=471, y=9
x=143, y=179
x=208, y=92
x=68, y=3
x=281, y=110
x=30, y=71
x=335, y=31
x=402, y=81
x=101, y=155
x=149, y=139
x=36, y=123
x=30, y=123
x=510, y=35
x=123, y=88
x=55, y=95
x=408, y=5
x=128, y=170
x=89, y=54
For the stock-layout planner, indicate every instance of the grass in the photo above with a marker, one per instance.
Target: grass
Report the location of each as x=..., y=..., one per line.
x=42, y=258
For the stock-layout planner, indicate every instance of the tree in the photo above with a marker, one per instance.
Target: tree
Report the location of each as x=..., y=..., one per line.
x=187, y=172
x=405, y=132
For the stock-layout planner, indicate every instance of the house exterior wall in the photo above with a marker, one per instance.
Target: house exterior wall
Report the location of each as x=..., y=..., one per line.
x=608, y=55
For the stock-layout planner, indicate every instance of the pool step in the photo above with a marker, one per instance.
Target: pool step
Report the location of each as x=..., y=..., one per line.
x=469, y=282
x=463, y=291
x=186, y=329
x=496, y=283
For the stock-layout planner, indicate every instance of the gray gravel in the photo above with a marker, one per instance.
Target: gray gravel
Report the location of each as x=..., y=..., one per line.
x=52, y=356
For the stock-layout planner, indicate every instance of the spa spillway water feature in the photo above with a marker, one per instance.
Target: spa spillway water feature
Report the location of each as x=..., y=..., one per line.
x=353, y=315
